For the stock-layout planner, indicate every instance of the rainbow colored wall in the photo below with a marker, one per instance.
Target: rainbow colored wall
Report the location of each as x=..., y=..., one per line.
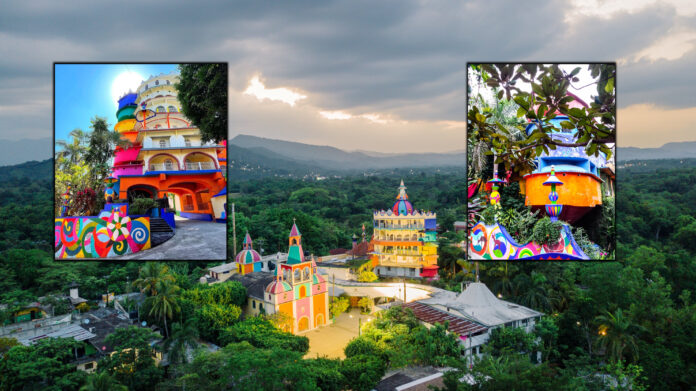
x=101, y=237
x=494, y=242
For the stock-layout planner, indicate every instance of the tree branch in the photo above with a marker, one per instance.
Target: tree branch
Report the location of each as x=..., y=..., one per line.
x=561, y=144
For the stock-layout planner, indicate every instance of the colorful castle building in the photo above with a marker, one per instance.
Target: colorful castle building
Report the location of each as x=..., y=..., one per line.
x=405, y=241
x=581, y=174
x=166, y=156
x=294, y=288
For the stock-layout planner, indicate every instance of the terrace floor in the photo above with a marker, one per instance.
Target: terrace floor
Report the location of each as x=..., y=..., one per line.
x=330, y=340
x=193, y=239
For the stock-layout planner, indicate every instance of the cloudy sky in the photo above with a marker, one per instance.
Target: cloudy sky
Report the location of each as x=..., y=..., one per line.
x=385, y=76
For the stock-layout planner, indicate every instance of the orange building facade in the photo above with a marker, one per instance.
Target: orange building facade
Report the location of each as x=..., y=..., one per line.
x=166, y=157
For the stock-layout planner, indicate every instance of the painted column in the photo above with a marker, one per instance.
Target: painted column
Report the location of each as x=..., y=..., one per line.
x=553, y=209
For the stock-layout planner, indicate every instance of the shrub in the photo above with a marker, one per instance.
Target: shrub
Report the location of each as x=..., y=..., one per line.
x=362, y=346
x=141, y=206
x=488, y=215
x=546, y=231
x=366, y=305
x=367, y=276
x=522, y=225
x=83, y=203
x=263, y=334
x=363, y=371
x=585, y=243
x=338, y=306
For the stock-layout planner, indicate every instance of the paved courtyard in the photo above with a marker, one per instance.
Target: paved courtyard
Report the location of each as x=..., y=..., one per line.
x=194, y=239
x=331, y=340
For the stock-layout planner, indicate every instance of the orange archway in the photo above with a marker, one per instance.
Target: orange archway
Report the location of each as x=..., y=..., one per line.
x=194, y=189
x=319, y=320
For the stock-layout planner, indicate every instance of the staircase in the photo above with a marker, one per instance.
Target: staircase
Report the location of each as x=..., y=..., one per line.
x=160, y=231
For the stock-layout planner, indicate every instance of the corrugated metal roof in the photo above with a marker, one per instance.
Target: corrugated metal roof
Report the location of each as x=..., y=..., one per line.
x=428, y=314
x=73, y=331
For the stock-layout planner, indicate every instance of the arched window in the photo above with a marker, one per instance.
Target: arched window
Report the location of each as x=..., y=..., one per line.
x=305, y=274
x=172, y=109
x=160, y=109
x=297, y=275
x=168, y=165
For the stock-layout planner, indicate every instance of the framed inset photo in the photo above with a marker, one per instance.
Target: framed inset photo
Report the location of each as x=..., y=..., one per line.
x=541, y=143
x=140, y=161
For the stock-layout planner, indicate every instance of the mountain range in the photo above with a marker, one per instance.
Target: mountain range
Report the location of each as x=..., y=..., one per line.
x=20, y=151
x=254, y=154
x=288, y=154
x=680, y=150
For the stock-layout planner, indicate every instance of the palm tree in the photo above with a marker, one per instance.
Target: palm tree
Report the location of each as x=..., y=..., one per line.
x=532, y=291
x=70, y=151
x=164, y=302
x=617, y=335
x=102, y=382
x=81, y=136
x=503, y=285
x=150, y=275
x=183, y=338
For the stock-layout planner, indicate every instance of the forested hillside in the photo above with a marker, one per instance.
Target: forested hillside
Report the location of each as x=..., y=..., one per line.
x=638, y=311
x=330, y=211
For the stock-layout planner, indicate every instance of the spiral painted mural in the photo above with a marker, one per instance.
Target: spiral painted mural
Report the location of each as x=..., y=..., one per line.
x=493, y=242
x=101, y=237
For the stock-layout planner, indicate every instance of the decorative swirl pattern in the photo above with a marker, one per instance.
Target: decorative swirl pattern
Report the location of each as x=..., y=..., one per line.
x=107, y=236
x=139, y=232
x=494, y=242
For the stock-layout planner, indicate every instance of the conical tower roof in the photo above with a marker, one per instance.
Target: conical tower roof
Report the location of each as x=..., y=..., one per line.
x=402, y=206
x=294, y=231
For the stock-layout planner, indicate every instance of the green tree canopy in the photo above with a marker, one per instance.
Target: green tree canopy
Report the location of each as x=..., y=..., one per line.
x=202, y=92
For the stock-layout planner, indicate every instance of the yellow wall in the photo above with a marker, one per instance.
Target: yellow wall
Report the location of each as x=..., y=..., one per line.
x=320, y=306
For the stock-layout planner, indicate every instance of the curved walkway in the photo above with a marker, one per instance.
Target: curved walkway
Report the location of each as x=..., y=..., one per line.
x=382, y=289
x=193, y=239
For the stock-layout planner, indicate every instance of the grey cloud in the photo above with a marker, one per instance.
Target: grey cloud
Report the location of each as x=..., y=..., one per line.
x=405, y=58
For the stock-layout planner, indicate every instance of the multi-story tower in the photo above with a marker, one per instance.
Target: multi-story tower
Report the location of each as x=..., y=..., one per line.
x=405, y=240
x=298, y=290
x=167, y=157
x=126, y=158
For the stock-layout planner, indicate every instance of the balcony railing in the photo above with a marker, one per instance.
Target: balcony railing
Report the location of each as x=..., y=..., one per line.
x=403, y=253
x=200, y=166
x=162, y=167
x=413, y=227
x=398, y=238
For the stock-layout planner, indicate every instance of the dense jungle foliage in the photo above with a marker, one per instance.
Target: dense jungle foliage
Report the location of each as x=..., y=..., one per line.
x=634, y=319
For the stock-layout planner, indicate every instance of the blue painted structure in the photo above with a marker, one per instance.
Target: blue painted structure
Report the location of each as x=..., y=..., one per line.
x=196, y=216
